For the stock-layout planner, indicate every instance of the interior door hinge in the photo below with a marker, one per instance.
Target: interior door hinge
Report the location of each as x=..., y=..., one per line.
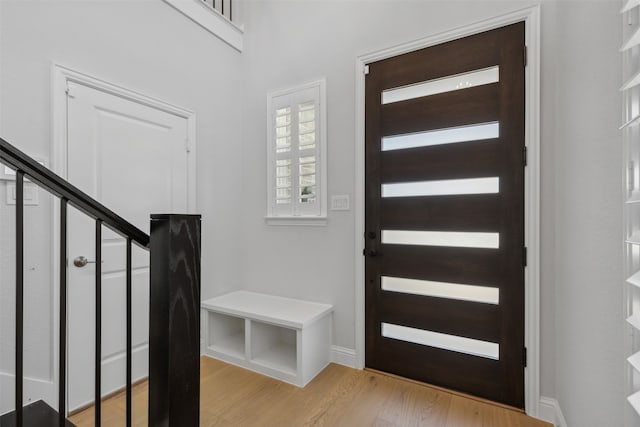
x=69, y=92
x=366, y=70
x=187, y=148
x=524, y=155
x=524, y=256
x=524, y=55
x=524, y=356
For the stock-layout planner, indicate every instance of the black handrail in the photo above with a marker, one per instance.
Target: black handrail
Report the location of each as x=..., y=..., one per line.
x=26, y=166
x=175, y=275
x=18, y=160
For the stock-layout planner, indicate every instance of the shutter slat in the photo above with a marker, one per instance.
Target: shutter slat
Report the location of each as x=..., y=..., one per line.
x=630, y=4
x=634, y=279
x=633, y=121
x=632, y=82
x=634, y=40
x=634, y=239
x=634, y=320
x=634, y=360
x=634, y=400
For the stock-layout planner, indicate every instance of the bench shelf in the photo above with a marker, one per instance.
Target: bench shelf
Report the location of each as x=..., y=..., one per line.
x=284, y=338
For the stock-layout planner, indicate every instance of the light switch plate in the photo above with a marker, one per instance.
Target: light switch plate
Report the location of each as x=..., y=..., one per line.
x=8, y=174
x=31, y=194
x=340, y=202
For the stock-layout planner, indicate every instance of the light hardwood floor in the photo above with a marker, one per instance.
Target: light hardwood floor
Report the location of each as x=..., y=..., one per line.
x=339, y=396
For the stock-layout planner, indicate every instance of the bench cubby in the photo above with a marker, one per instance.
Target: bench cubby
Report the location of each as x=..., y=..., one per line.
x=285, y=338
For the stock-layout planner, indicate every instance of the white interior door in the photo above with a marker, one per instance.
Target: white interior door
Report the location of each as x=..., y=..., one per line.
x=133, y=158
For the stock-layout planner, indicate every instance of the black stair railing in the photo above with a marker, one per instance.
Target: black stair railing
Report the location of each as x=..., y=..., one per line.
x=174, y=343
x=224, y=7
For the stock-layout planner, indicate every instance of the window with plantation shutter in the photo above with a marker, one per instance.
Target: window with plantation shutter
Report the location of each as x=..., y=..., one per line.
x=631, y=206
x=296, y=177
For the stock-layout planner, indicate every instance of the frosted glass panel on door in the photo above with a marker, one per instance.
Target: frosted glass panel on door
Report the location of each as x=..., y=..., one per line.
x=430, y=288
x=445, y=84
x=442, y=136
x=442, y=187
x=442, y=238
x=444, y=341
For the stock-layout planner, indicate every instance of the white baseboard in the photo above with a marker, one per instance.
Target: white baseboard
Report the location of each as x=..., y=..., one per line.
x=549, y=410
x=34, y=389
x=343, y=356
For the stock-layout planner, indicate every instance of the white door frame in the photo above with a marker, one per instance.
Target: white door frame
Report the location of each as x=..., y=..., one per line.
x=531, y=17
x=60, y=77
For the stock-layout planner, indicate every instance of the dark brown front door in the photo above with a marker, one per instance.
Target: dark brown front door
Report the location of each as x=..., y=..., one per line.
x=445, y=215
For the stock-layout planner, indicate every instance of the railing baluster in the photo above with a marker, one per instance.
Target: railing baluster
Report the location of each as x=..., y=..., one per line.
x=230, y=10
x=62, y=377
x=222, y=7
x=19, y=292
x=129, y=331
x=98, y=355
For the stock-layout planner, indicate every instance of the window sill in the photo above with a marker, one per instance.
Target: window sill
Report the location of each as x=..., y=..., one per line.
x=314, y=221
x=211, y=20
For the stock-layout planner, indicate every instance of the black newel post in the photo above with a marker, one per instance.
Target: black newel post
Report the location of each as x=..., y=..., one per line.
x=174, y=323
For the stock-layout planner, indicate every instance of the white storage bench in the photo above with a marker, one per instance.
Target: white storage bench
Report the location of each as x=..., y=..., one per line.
x=283, y=338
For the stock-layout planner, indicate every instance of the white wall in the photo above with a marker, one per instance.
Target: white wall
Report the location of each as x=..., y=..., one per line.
x=144, y=45
x=588, y=216
x=291, y=42
x=147, y=46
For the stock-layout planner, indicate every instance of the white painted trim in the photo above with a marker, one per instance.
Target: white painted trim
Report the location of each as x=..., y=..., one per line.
x=314, y=220
x=343, y=356
x=34, y=389
x=549, y=411
x=296, y=220
x=531, y=17
x=60, y=76
x=1, y=80
x=211, y=20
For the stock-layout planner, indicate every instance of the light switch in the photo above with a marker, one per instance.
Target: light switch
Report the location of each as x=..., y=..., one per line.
x=340, y=202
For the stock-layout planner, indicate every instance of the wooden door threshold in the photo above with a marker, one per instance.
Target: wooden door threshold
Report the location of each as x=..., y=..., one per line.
x=446, y=390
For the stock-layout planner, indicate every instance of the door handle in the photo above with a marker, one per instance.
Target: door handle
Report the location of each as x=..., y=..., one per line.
x=81, y=261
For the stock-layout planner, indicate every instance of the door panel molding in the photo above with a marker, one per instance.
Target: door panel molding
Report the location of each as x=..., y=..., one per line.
x=442, y=162
x=531, y=17
x=60, y=77
x=474, y=105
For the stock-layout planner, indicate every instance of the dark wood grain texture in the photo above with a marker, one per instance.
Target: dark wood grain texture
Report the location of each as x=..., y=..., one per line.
x=447, y=316
x=441, y=213
x=458, y=108
x=448, y=161
x=500, y=380
x=174, y=327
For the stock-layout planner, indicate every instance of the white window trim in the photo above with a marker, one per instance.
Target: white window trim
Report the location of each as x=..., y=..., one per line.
x=211, y=20
x=307, y=220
